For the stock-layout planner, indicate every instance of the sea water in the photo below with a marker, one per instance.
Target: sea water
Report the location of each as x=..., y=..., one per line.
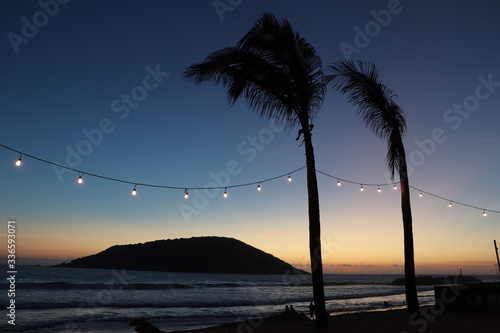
x=50, y=299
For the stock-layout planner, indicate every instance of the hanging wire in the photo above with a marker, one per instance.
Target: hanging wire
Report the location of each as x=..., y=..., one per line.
x=258, y=182
x=454, y=201
x=341, y=180
x=151, y=185
x=421, y=192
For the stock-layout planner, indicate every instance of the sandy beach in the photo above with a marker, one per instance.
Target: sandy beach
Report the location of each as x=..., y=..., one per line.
x=392, y=321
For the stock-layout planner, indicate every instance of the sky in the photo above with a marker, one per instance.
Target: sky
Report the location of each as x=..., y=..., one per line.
x=97, y=86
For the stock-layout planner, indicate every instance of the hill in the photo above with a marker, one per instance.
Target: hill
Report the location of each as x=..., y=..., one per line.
x=195, y=255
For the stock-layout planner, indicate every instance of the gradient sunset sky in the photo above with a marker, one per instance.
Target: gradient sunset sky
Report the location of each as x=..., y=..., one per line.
x=97, y=86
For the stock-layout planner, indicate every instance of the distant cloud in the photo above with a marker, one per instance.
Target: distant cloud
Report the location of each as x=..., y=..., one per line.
x=349, y=265
x=362, y=268
x=36, y=261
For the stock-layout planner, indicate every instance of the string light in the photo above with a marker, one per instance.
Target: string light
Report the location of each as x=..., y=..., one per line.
x=450, y=204
x=259, y=188
x=395, y=187
x=420, y=191
x=186, y=194
x=379, y=190
x=134, y=191
x=151, y=185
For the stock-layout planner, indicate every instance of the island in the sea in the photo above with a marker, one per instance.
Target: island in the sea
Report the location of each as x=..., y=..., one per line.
x=193, y=255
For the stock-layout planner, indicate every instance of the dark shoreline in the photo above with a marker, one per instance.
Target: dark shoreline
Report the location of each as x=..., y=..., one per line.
x=380, y=321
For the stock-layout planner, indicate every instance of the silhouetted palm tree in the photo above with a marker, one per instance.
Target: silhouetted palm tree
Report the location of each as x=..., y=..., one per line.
x=281, y=77
x=374, y=101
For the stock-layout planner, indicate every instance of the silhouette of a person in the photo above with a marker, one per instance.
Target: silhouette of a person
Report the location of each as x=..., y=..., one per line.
x=311, y=310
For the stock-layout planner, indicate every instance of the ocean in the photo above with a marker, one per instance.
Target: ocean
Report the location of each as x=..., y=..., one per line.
x=50, y=299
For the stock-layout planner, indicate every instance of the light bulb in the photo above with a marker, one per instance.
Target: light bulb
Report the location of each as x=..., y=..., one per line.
x=80, y=180
x=379, y=190
x=338, y=183
x=289, y=178
x=259, y=188
x=395, y=187
x=186, y=194
x=225, y=193
x=361, y=189
x=19, y=162
x=420, y=195
x=450, y=205
x=134, y=191
x=484, y=213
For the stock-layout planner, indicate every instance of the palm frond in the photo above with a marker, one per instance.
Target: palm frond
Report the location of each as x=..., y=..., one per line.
x=374, y=102
x=264, y=86
x=276, y=71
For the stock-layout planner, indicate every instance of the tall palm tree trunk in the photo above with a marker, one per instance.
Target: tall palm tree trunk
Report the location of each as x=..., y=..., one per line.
x=315, y=234
x=281, y=77
x=360, y=81
x=410, y=280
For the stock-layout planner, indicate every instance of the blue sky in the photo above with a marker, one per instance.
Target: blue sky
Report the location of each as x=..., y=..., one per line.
x=104, y=80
